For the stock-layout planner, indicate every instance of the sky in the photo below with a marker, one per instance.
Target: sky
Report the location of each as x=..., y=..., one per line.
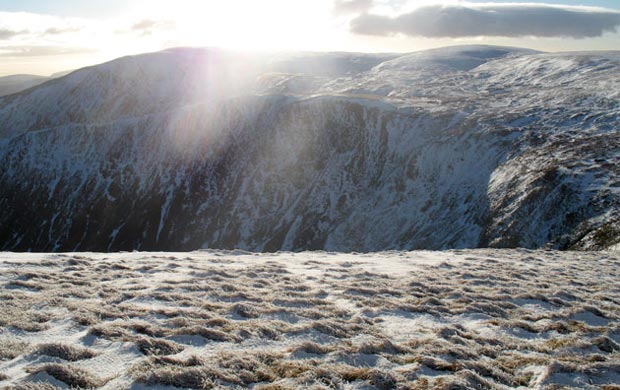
x=43, y=37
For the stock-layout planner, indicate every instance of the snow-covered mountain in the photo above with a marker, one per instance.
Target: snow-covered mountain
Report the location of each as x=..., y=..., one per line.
x=459, y=147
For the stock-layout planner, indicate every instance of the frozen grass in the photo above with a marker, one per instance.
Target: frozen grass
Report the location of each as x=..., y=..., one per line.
x=483, y=319
x=11, y=348
x=64, y=351
x=72, y=376
x=35, y=386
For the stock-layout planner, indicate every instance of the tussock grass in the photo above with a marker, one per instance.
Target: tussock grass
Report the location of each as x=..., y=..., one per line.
x=155, y=346
x=34, y=386
x=239, y=369
x=379, y=347
x=217, y=322
x=67, y=352
x=20, y=315
x=209, y=333
x=184, y=377
x=275, y=386
x=606, y=344
x=74, y=377
x=312, y=348
x=26, y=284
x=11, y=348
x=245, y=311
x=108, y=330
x=463, y=324
x=334, y=329
x=145, y=328
x=382, y=380
x=191, y=361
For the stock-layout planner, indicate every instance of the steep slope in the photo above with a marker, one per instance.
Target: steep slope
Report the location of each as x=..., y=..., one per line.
x=192, y=148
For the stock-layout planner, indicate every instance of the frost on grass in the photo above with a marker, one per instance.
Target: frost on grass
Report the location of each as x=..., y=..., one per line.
x=483, y=319
x=11, y=348
x=35, y=386
x=65, y=351
x=72, y=376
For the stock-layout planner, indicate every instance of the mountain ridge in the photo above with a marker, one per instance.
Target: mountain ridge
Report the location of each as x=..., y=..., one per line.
x=173, y=151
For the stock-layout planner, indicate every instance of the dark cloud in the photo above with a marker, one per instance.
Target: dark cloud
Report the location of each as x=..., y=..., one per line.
x=40, y=51
x=345, y=7
x=510, y=20
x=8, y=34
x=148, y=26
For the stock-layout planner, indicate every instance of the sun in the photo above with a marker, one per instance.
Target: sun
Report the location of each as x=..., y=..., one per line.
x=245, y=24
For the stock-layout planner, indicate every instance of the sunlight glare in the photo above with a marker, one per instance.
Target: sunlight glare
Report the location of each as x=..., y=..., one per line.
x=246, y=25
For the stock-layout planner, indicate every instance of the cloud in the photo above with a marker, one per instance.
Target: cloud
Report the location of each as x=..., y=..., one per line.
x=33, y=29
x=40, y=51
x=8, y=34
x=148, y=26
x=489, y=19
x=346, y=7
x=58, y=31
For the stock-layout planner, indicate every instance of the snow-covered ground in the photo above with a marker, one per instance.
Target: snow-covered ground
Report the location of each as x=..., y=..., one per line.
x=475, y=319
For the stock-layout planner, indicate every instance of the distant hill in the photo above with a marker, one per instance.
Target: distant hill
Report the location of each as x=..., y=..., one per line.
x=17, y=83
x=20, y=82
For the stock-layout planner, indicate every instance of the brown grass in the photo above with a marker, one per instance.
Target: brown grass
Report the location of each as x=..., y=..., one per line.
x=10, y=348
x=67, y=352
x=34, y=386
x=154, y=346
x=73, y=376
x=312, y=348
x=266, y=328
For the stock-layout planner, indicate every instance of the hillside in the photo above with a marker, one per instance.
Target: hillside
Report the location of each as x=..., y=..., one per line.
x=462, y=147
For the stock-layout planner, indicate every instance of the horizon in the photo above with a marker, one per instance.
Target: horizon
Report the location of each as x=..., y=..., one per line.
x=275, y=52
x=278, y=52
x=44, y=37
